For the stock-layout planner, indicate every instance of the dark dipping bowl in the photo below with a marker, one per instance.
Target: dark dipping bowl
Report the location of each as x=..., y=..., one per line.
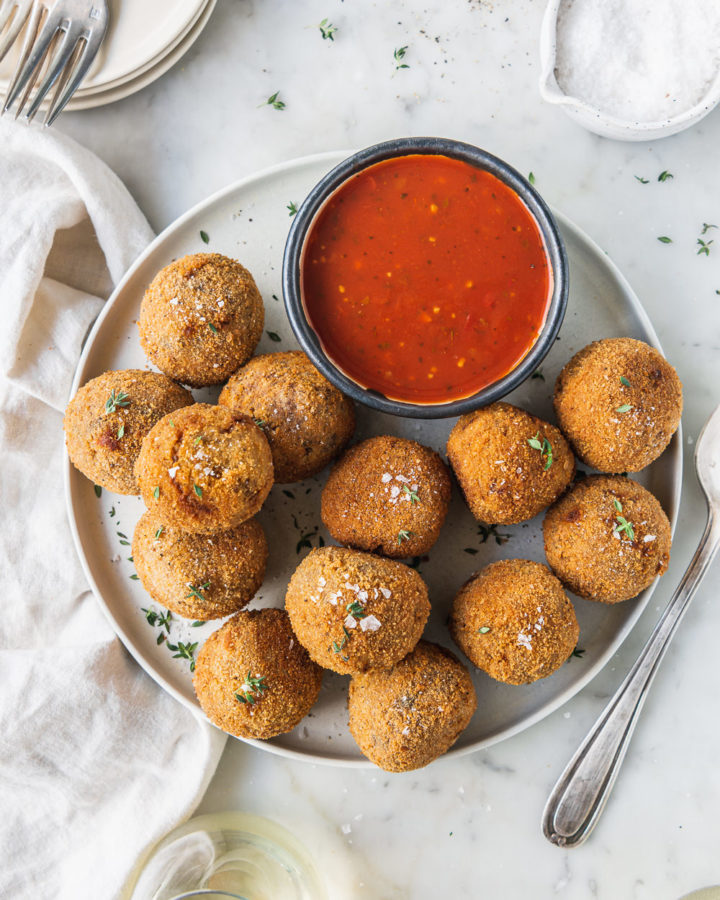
x=325, y=188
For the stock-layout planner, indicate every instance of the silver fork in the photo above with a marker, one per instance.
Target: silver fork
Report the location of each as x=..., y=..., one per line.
x=579, y=797
x=63, y=38
x=13, y=15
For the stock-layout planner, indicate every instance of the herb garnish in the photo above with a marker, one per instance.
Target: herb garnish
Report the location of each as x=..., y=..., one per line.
x=184, y=651
x=485, y=532
x=704, y=247
x=327, y=30
x=642, y=180
x=121, y=431
x=212, y=328
x=578, y=652
x=471, y=550
x=537, y=374
x=197, y=489
x=531, y=178
x=291, y=208
x=159, y=532
x=664, y=175
x=707, y=228
x=197, y=592
x=411, y=494
x=622, y=522
x=252, y=687
x=404, y=535
x=545, y=449
x=273, y=336
x=623, y=380
x=399, y=56
x=97, y=489
x=116, y=400
x=484, y=629
x=162, y=620
x=665, y=239
x=156, y=491
x=626, y=407
x=273, y=101
x=204, y=237
x=356, y=609
x=339, y=647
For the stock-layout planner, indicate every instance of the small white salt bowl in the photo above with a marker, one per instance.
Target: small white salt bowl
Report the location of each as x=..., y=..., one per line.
x=594, y=119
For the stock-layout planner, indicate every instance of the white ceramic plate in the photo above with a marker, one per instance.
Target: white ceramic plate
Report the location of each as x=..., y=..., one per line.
x=99, y=92
x=166, y=61
x=249, y=221
x=138, y=32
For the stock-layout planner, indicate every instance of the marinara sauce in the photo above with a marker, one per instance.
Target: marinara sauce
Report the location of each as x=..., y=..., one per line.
x=425, y=278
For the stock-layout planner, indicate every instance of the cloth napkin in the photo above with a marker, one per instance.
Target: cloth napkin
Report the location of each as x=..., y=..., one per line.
x=96, y=761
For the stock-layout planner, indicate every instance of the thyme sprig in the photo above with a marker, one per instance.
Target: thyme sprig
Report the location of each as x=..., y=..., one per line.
x=327, y=30
x=399, y=56
x=184, y=651
x=252, y=688
x=197, y=592
x=115, y=401
x=622, y=524
x=545, y=448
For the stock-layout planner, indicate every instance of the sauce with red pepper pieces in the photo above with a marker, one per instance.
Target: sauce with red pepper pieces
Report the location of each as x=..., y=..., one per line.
x=425, y=278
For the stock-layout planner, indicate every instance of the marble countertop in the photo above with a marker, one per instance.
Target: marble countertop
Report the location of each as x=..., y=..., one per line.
x=469, y=827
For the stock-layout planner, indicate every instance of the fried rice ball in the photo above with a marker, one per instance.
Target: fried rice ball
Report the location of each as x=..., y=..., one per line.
x=107, y=420
x=201, y=318
x=514, y=621
x=253, y=679
x=404, y=717
x=353, y=611
x=510, y=464
x=204, y=468
x=306, y=420
x=619, y=402
x=607, y=539
x=387, y=495
x=199, y=576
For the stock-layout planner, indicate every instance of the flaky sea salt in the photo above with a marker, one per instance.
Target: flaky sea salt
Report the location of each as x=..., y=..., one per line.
x=638, y=60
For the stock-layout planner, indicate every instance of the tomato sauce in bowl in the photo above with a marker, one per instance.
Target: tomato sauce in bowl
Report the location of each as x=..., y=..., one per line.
x=425, y=278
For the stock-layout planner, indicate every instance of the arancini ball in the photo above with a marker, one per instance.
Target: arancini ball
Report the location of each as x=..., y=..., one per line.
x=353, y=611
x=108, y=419
x=514, y=621
x=200, y=576
x=306, y=420
x=404, y=717
x=204, y=468
x=201, y=318
x=607, y=539
x=619, y=402
x=252, y=677
x=387, y=495
x=509, y=464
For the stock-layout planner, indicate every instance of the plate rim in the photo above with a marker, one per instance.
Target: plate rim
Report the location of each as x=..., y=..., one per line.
x=551, y=706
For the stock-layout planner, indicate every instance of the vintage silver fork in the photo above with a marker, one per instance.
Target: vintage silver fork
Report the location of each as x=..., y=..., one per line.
x=62, y=40
x=579, y=796
x=13, y=15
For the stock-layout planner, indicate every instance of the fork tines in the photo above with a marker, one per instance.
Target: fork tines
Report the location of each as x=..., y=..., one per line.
x=62, y=39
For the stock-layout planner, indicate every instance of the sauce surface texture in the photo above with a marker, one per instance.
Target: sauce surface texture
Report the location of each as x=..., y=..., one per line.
x=425, y=278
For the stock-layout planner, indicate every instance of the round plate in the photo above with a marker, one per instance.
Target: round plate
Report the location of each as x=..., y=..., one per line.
x=173, y=55
x=249, y=221
x=91, y=94
x=138, y=33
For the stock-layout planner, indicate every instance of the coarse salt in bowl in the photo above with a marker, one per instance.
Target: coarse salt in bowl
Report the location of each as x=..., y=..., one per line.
x=633, y=70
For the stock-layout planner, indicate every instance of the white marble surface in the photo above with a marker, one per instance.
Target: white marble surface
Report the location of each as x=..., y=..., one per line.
x=469, y=827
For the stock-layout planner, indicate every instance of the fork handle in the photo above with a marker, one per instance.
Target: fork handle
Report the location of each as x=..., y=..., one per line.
x=579, y=797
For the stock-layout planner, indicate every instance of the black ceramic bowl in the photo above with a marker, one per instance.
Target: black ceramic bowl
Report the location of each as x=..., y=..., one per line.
x=310, y=341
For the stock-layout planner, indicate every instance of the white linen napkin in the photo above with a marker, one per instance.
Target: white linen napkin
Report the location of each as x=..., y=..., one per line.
x=96, y=761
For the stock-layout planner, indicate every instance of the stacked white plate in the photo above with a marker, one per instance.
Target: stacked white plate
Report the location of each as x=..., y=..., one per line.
x=143, y=41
